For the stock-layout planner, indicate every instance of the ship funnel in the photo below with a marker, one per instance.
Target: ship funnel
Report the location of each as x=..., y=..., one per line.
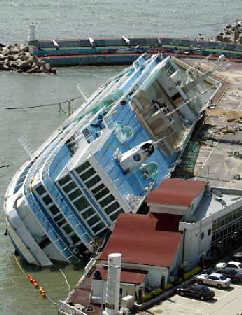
x=133, y=158
x=113, y=284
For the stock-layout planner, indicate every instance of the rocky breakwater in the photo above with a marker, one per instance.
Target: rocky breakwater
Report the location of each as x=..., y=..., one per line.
x=18, y=58
x=232, y=33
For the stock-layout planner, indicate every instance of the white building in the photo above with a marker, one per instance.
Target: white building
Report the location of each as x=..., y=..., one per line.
x=186, y=222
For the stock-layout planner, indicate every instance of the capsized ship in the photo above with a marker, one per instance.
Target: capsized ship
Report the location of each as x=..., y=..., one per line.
x=120, y=144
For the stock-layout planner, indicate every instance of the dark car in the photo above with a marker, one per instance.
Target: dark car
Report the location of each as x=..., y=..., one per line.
x=234, y=275
x=196, y=291
x=237, y=256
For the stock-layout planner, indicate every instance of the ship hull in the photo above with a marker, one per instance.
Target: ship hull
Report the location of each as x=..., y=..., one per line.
x=63, y=203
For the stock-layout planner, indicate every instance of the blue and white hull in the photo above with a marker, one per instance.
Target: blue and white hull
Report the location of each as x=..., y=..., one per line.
x=104, y=160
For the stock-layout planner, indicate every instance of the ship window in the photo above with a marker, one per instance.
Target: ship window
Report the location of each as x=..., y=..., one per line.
x=87, y=213
x=69, y=187
x=47, y=200
x=82, y=167
x=170, y=68
x=97, y=189
x=76, y=193
x=115, y=215
x=75, y=238
x=81, y=203
x=102, y=193
x=123, y=133
x=67, y=228
x=107, y=200
x=61, y=222
x=40, y=190
x=98, y=227
x=93, y=181
x=54, y=210
x=58, y=217
x=93, y=220
x=88, y=174
x=64, y=180
x=112, y=207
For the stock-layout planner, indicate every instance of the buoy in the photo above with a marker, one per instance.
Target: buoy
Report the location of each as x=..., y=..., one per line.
x=42, y=292
x=30, y=278
x=36, y=285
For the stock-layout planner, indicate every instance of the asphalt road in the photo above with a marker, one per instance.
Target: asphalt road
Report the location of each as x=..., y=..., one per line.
x=226, y=302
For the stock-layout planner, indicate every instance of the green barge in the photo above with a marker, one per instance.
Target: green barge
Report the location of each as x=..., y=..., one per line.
x=123, y=51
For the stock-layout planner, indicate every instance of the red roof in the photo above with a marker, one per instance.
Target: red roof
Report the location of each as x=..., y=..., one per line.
x=176, y=191
x=140, y=241
x=128, y=276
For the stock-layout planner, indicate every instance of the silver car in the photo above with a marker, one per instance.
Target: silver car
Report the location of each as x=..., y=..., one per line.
x=231, y=264
x=214, y=279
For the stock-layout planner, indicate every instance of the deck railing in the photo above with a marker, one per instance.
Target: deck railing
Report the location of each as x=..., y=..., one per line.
x=66, y=309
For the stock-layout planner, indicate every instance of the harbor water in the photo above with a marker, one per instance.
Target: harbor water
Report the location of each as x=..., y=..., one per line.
x=72, y=19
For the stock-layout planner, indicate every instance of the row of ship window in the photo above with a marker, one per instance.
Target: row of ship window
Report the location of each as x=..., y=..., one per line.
x=56, y=215
x=100, y=192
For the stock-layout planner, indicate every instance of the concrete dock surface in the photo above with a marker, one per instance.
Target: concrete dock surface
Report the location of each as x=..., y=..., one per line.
x=226, y=302
x=220, y=138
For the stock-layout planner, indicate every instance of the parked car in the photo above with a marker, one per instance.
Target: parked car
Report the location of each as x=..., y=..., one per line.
x=196, y=291
x=231, y=264
x=237, y=256
x=214, y=279
x=234, y=275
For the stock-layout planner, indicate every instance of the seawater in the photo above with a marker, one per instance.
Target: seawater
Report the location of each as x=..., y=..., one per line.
x=73, y=19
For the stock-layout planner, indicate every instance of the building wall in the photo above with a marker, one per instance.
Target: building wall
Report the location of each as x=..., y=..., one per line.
x=171, y=209
x=156, y=277
x=197, y=242
x=196, y=201
x=177, y=262
x=225, y=227
x=154, y=273
x=98, y=293
x=201, y=237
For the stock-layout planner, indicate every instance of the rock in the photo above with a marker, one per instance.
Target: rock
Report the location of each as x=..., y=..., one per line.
x=24, y=65
x=15, y=50
x=33, y=69
x=53, y=70
x=18, y=58
x=6, y=66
